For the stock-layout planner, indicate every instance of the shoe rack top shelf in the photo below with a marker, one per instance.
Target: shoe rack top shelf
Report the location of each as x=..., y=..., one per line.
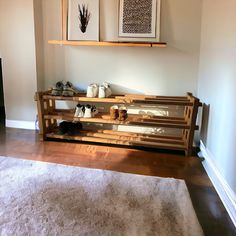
x=127, y=99
x=109, y=44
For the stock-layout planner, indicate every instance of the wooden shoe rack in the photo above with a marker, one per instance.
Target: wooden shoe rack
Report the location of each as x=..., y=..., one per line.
x=49, y=115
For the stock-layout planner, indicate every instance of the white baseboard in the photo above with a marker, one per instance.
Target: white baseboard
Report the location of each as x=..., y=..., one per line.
x=226, y=194
x=20, y=124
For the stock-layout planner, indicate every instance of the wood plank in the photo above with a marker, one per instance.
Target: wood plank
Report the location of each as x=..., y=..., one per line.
x=120, y=136
x=85, y=99
x=64, y=9
x=159, y=124
x=129, y=121
x=106, y=43
x=120, y=100
x=139, y=96
x=162, y=102
x=105, y=115
x=158, y=145
x=134, y=134
x=117, y=142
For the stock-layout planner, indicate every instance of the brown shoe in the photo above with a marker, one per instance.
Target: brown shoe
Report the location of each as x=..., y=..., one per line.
x=123, y=113
x=114, y=112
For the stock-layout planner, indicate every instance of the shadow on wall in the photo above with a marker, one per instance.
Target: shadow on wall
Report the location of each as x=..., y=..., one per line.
x=117, y=89
x=205, y=121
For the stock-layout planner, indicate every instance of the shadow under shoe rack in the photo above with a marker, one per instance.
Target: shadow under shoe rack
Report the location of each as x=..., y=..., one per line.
x=49, y=115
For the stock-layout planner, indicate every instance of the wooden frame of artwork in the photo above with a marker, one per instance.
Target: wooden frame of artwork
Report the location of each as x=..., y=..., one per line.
x=83, y=20
x=139, y=19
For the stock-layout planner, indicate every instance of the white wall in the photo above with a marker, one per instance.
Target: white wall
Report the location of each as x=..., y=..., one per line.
x=17, y=48
x=217, y=84
x=171, y=71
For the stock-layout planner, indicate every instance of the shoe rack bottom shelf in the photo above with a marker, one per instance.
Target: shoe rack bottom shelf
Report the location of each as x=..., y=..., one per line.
x=124, y=138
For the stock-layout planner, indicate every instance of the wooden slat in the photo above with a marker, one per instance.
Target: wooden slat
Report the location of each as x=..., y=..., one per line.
x=105, y=44
x=162, y=102
x=193, y=118
x=41, y=120
x=134, y=134
x=159, y=124
x=129, y=121
x=120, y=136
x=85, y=99
x=64, y=10
x=171, y=119
x=81, y=137
x=143, y=97
x=158, y=145
x=121, y=100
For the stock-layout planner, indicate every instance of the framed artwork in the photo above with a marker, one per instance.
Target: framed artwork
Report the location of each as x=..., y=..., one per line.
x=83, y=20
x=139, y=19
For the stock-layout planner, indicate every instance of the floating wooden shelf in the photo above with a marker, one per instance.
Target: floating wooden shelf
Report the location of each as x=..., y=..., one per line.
x=105, y=44
x=49, y=115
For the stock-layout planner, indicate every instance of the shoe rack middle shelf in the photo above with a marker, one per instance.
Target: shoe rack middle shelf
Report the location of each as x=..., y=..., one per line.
x=49, y=115
x=104, y=118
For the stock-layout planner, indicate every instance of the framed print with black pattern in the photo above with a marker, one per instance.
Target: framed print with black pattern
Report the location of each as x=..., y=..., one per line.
x=139, y=18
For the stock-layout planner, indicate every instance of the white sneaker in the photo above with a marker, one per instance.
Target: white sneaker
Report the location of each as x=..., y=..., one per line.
x=79, y=111
x=102, y=92
x=95, y=90
x=92, y=91
x=108, y=89
x=88, y=111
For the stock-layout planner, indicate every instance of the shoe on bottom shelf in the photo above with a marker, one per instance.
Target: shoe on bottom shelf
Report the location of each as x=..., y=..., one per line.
x=74, y=128
x=69, y=128
x=63, y=127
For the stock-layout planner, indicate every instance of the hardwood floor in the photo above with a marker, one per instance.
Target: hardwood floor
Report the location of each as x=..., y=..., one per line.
x=210, y=211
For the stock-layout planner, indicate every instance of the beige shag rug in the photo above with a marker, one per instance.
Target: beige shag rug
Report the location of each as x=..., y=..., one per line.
x=38, y=198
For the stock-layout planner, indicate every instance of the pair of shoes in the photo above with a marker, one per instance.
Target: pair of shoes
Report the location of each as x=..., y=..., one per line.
x=102, y=91
x=119, y=113
x=92, y=91
x=64, y=89
x=87, y=111
x=57, y=89
x=70, y=128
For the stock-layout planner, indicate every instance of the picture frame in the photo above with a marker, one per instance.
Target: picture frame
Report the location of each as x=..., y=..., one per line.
x=139, y=19
x=83, y=20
